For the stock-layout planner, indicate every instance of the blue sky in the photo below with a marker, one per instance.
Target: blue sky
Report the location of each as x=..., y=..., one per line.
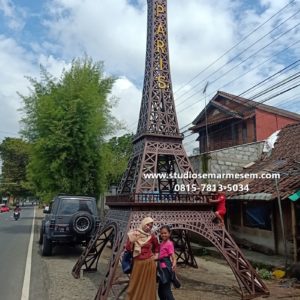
x=54, y=32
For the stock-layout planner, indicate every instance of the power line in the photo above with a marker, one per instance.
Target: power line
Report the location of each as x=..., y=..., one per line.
x=199, y=91
x=290, y=101
x=216, y=131
x=239, y=54
x=259, y=65
x=253, y=106
x=293, y=65
x=275, y=86
x=284, y=81
x=257, y=103
x=238, y=77
x=243, y=39
x=243, y=52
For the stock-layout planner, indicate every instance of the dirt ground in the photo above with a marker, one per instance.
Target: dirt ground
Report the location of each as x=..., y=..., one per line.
x=211, y=281
x=214, y=279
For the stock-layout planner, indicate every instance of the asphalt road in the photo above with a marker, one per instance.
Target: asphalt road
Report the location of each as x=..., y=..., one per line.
x=14, y=240
x=50, y=277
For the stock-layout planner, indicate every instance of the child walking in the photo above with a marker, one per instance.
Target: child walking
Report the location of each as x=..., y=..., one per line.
x=167, y=261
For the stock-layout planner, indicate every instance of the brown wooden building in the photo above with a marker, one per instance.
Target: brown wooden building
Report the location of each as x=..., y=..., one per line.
x=253, y=217
x=233, y=120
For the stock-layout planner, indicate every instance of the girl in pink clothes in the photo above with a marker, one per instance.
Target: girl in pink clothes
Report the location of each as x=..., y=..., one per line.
x=167, y=263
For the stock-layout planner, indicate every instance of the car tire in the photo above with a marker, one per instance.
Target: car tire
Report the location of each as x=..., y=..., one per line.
x=41, y=236
x=82, y=223
x=46, y=246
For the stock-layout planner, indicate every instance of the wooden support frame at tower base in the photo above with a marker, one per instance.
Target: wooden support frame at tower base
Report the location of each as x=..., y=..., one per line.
x=183, y=249
x=118, y=222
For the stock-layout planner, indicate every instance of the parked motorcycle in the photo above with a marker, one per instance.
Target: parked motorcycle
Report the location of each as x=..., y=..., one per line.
x=16, y=215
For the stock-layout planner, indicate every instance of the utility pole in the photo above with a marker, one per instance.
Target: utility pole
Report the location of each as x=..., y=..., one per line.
x=206, y=126
x=280, y=215
x=281, y=222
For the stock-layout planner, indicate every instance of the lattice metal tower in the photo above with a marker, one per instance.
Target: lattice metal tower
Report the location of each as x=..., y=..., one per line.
x=158, y=149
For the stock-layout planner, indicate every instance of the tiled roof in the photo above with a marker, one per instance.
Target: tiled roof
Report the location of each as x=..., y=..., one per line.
x=262, y=106
x=214, y=122
x=241, y=107
x=284, y=159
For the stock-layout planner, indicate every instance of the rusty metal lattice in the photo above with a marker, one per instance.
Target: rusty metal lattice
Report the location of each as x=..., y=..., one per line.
x=157, y=148
x=183, y=249
x=165, y=156
x=199, y=222
x=111, y=230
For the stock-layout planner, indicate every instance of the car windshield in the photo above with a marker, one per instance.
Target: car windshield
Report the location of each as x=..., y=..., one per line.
x=71, y=206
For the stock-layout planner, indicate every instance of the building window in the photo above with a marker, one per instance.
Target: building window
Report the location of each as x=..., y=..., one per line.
x=258, y=215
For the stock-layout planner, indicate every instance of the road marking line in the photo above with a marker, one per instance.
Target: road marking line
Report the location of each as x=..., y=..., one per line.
x=26, y=282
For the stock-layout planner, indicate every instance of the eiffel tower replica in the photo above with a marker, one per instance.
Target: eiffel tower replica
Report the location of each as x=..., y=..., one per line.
x=177, y=202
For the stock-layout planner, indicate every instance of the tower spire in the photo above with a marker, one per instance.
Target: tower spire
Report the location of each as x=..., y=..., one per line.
x=157, y=113
x=157, y=147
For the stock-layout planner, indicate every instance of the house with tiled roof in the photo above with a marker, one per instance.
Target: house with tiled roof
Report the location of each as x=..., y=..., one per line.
x=232, y=134
x=253, y=215
x=229, y=120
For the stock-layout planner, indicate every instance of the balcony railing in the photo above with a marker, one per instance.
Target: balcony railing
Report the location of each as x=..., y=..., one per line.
x=154, y=199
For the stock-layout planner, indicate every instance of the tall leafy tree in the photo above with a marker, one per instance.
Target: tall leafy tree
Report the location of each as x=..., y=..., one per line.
x=14, y=154
x=116, y=154
x=67, y=120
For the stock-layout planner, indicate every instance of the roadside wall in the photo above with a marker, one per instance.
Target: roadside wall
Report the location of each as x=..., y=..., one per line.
x=228, y=160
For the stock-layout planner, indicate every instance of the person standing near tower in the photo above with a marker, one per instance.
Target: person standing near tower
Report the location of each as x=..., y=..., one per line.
x=145, y=248
x=221, y=207
x=167, y=261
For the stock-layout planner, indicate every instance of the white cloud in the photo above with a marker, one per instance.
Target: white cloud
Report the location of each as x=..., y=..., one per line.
x=7, y=7
x=53, y=65
x=112, y=31
x=129, y=99
x=15, y=15
x=17, y=64
x=115, y=32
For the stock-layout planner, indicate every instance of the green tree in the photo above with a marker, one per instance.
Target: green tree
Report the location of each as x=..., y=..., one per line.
x=14, y=154
x=116, y=154
x=67, y=119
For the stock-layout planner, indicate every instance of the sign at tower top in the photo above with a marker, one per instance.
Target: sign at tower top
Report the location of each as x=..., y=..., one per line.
x=160, y=45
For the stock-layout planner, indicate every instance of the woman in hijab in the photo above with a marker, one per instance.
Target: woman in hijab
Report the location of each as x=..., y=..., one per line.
x=145, y=247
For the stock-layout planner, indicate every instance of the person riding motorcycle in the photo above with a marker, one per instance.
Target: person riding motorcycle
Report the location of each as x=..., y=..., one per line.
x=17, y=213
x=17, y=208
